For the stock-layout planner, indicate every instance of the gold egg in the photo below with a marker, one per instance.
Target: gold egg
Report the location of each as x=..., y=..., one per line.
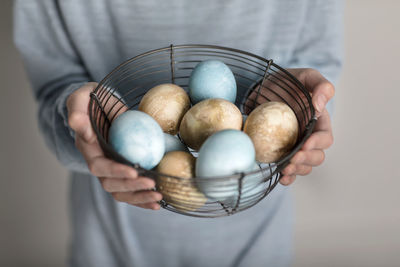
x=180, y=193
x=166, y=103
x=207, y=117
x=273, y=128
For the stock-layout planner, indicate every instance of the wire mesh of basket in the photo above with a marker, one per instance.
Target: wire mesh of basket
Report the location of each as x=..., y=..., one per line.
x=258, y=80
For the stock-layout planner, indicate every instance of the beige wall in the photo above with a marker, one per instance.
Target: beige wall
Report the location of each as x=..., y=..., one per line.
x=347, y=210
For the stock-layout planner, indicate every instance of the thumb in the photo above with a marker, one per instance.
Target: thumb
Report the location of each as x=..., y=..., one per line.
x=78, y=116
x=321, y=94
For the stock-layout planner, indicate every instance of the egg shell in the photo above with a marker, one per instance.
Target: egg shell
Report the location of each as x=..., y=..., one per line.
x=207, y=117
x=273, y=128
x=180, y=193
x=172, y=143
x=252, y=185
x=224, y=153
x=138, y=138
x=212, y=79
x=166, y=103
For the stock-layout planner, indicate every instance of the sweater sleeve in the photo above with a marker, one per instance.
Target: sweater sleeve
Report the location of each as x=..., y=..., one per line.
x=320, y=43
x=55, y=70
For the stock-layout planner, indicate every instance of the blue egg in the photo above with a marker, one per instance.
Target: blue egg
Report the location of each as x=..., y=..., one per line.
x=172, y=143
x=251, y=186
x=224, y=153
x=138, y=138
x=212, y=79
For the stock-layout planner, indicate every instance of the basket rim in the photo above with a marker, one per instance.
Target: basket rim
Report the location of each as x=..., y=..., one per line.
x=279, y=165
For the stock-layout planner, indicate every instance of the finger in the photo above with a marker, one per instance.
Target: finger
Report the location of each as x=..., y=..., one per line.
x=289, y=169
x=310, y=157
x=88, y=149
x=140, y=197
x=103, y=167
x=321, y=94
x=323, y=122
x=287, y=179
x=112, y=185
x=78, y=117
x=303, y=169
x=322, y=90
x=150, y=206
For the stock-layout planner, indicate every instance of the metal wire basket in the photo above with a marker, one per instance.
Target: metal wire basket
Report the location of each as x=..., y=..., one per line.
x=258, y=80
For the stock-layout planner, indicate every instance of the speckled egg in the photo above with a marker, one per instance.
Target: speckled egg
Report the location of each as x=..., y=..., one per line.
x=212, y=79
x=172, y=143
x=180, y=193
x=224, y=153
x=273, y=128
x=166, y=103
x=207, y=117
x=138, y=138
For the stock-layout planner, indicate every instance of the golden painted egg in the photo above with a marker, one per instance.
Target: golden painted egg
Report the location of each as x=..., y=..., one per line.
x=207, y=117
x=273, y=128
x=181, y=193
x=166, y=103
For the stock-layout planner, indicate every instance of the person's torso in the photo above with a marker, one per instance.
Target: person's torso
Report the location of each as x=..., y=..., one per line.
x=106, y=33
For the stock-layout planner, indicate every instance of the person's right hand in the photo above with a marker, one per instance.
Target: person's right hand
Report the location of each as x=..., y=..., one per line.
x=120, y=180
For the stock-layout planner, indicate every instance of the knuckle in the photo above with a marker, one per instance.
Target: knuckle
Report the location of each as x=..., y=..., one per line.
x=73, y=120
x=330, y=88
x=311, y=71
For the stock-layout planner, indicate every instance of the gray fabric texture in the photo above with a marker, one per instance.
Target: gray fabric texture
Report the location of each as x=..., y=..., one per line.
x=67, y=43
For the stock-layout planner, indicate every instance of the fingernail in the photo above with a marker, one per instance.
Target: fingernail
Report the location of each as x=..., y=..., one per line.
x=321, y=102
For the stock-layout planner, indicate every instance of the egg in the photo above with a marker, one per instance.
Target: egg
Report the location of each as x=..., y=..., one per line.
x=138, y=138
x=172, y=143
x=224, y=153
x=273, y=128
x=251, y=185
x=212, y=79
x=166, y=103
x=180, y=193
x=207, y=117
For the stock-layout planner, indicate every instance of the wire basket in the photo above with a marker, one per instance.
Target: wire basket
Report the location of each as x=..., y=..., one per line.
x=258, y=80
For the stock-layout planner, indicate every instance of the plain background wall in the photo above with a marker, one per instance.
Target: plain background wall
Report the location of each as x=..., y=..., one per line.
x=347, y=209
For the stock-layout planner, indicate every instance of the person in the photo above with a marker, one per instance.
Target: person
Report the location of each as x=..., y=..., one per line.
x=68, y=46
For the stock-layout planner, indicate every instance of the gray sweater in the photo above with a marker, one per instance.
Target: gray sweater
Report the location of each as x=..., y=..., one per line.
x=67, y=43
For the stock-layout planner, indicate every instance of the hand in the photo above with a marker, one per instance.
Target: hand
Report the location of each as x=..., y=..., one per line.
x=122, y=181
x=312, y=152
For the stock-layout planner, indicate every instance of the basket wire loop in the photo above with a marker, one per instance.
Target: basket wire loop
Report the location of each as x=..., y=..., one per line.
x=172, y=64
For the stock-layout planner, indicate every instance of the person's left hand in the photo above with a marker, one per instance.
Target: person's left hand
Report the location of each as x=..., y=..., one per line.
x=312, y=152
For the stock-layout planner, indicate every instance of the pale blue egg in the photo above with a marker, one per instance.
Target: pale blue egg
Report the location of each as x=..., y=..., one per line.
x=212, y=79
x=251, y=186
x=138, y=138
x=224, y=153
x=172, y=143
